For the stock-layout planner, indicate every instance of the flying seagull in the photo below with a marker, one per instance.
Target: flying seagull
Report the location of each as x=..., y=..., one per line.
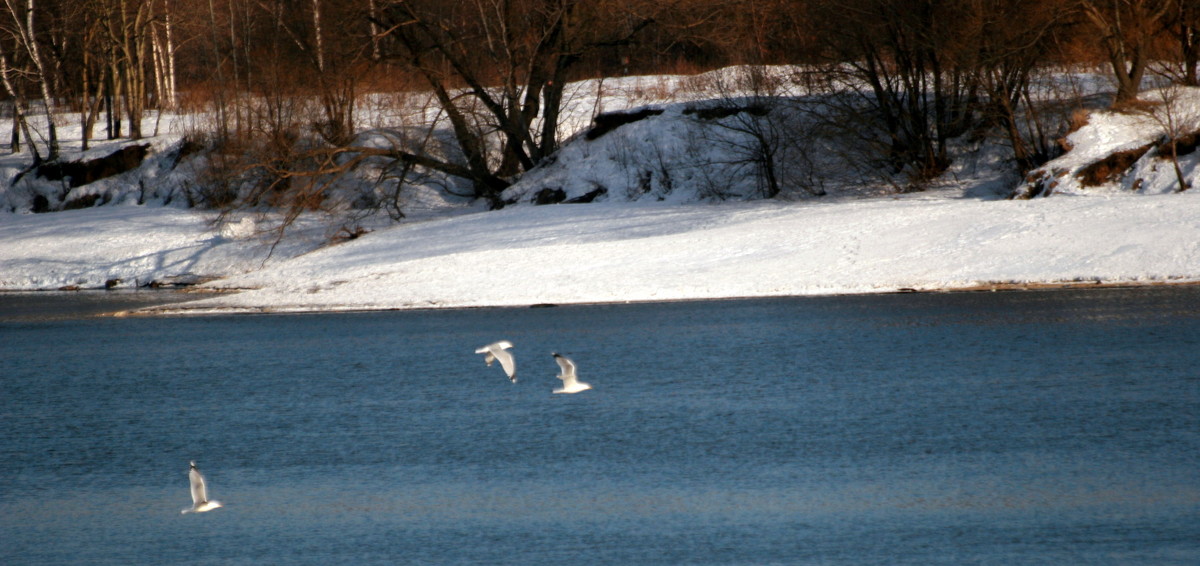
x=200, y=501
x=497, y=351
x=571, y=384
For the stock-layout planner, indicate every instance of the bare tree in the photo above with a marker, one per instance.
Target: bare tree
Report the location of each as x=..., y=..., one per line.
x=911, y=75
x=21, y=125
x=1183, y=23
x=128, y=25
x=902, y=60
x=218, y=69
x=512, y=59
x=336, y=85
x=1126, y=29
x=163, y=43
x=758, y=125
x=1006, y=57
x=90, y=55
x=25, y=31
x=1180, y=124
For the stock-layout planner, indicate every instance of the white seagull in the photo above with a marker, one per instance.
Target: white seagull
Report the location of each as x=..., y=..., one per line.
x=200, y=501
x=497, y=351
x=571, y=384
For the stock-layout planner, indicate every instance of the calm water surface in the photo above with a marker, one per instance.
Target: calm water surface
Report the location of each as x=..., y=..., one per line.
x=993, y=428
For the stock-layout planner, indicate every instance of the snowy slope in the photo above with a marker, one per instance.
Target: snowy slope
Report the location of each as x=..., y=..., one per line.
x=606, y=253
x=137, y=245
x=1168, y=113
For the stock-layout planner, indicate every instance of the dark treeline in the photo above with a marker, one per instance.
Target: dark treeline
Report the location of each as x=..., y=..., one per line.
x=281, y=76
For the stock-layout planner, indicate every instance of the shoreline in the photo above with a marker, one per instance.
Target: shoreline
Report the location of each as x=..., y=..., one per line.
x=178, y=298
x=1076, y=285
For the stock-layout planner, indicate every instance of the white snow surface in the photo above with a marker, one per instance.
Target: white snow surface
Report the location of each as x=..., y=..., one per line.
x=617, y=252
x=626, y=247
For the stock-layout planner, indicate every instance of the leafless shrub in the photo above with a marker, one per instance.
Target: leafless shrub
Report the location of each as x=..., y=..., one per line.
x=1181, y=128
x=758, y=130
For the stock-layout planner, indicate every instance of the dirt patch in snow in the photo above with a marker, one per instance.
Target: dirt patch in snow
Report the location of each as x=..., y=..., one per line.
x=1111, y=168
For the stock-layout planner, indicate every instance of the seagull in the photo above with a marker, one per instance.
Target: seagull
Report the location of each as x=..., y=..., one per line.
x=571, y=384
x=496, y=351
x=200, y=501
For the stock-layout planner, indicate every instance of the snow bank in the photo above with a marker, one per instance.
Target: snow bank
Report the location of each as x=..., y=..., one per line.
x=130, y=246
x=619, y=252
x=1122, y=152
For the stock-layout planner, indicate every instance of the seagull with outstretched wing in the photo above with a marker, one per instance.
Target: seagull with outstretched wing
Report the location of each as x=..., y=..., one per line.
x=571, y=383
x=200, y=500
x=499, y=351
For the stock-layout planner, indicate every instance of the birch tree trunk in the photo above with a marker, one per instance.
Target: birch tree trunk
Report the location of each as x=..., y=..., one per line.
x=159, y=65
x=135, y=71
x=18, y=113
x=172, y=99
x=26, y=33
x=129, y=32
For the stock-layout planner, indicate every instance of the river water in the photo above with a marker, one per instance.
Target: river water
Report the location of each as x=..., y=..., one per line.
x=1056, y=427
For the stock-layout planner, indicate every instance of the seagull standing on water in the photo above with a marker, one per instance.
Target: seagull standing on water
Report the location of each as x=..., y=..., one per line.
x=498, y=351
x=200, y=501
x=571, y=384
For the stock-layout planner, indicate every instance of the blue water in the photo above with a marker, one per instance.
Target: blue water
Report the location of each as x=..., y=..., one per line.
x=1056, y=427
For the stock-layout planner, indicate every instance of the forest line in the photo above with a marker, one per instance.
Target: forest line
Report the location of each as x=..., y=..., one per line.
x=917, y=73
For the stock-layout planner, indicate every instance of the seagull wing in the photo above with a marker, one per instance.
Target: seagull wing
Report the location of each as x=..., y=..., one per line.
x=496, y=351
x=507, y=361
x=501, y=345
x=568, y=368
x=199, y=492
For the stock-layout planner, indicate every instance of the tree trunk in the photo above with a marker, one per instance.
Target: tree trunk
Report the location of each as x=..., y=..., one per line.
x=172, y=98
x=14, y=141
x=133, y=45
x=1129, y=76
x=506, y=62
x=26, y=34
x=45, y=80
x=18, y=113
x=373, y=27
x=86, y=118
x=116, y=96
x=1190, y=44
x=158, y=63
x=318, y=42
x=1125, y=28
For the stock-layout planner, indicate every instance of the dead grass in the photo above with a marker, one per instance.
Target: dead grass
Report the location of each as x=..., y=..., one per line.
x=1136, y=106
x=1111, y=168
x=1183, y=145
x=1078, y=119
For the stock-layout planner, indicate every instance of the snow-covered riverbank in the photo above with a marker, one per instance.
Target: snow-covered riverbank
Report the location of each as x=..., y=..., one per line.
x=624, y=252
x=640, y=240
